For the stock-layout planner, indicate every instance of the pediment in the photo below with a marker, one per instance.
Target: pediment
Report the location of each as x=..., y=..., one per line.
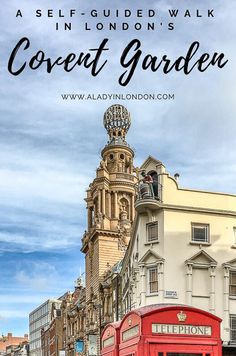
x=201, y=258
x=150, y=257
x=151, y=162
x=231, y=263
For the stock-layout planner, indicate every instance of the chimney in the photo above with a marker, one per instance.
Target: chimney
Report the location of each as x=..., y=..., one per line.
x=9, y=335
x=26, y=336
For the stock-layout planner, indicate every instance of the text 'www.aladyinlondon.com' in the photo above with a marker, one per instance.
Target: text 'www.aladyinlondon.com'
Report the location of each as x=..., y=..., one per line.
x=159, y=96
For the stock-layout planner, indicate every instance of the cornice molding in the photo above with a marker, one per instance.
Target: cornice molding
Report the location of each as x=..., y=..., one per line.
x=187, y=208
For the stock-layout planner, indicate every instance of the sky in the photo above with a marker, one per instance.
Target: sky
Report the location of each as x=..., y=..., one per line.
x=50, y=147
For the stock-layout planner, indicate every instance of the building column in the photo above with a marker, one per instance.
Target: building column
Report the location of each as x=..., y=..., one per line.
x=226, y=320
x=109, y=204
x=143, y=285
x=212, y=291
x=189, y=284
x=99, y=200
x=134, y=290
x=137, y=295
x=89, y=217
x=132, y=207
x=104, y=201
x=131, y=293
x=160, y=274
x=106, y=307
x=116, y=205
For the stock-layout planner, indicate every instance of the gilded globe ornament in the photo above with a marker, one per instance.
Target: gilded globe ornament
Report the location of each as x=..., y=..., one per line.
x=117, y=123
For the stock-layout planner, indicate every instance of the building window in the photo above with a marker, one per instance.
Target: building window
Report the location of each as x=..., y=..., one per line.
x=200, y=233
x=152, y=231
x=232, y=283
x=233, y=328
x=153, y=280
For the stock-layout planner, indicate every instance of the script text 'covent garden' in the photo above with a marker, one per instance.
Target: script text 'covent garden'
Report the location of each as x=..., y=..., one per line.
x=131, y=58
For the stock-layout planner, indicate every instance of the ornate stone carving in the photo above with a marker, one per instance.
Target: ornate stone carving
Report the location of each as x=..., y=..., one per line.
x=99, y=220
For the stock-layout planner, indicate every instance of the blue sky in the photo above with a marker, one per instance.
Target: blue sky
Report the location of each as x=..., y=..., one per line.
x=49, y=148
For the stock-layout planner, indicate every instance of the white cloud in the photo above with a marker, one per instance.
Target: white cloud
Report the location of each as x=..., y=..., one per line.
x=39, y=277
x=19, y=299
x=8, y=314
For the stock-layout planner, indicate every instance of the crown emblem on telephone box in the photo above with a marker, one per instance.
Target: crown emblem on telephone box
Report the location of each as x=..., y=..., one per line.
x=181, y=316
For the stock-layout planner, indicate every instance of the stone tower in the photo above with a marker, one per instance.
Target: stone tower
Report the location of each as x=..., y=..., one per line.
x=110, y=208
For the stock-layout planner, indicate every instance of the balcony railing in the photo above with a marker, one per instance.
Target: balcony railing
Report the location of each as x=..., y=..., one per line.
x=150, y=191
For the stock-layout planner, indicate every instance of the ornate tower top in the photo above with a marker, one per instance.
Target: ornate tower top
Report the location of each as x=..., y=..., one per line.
x=117, y=123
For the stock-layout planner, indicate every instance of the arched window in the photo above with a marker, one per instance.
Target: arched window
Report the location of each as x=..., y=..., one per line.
x=155, y=183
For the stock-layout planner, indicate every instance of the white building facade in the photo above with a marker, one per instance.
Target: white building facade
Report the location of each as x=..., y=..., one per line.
x=39, y=319
x=182, y=250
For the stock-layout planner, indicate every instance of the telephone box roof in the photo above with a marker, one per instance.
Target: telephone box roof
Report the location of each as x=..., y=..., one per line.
x=115, y=325
x=149, y=309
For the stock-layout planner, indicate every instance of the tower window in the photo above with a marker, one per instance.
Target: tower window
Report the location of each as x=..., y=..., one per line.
x=111, y=156
x=122, y=156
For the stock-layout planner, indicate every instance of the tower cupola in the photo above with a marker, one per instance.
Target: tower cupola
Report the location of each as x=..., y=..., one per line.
x=117, y=123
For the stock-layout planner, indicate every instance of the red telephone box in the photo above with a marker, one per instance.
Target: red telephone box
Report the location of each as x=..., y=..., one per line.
x=170, y=330
x=111, y=339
